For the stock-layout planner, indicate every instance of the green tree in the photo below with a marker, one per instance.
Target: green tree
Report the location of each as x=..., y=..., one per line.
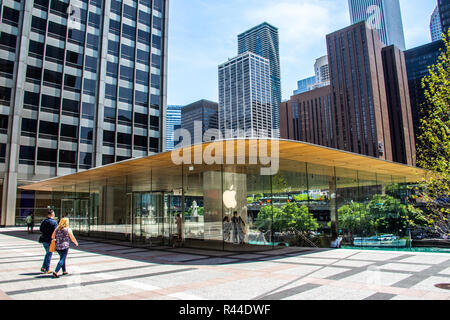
x=389, y=215
x=355, y=218
x=289, y=217
x=433, y=152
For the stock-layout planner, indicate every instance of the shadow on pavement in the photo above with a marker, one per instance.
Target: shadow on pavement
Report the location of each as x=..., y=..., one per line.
x=169, y=255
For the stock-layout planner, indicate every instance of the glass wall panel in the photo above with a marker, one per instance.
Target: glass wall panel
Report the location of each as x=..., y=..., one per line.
x=116, y=213
x=322, y=201
x=194, y=209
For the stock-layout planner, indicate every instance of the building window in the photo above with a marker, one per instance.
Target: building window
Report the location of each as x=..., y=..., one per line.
x=109, y=138
x=67, y=159
x=47, y=157
x=10, y=16
x=6, y=68
x=48, y=130
x=8, y=41
x=87, y=135
x=110, y=115
x=107, y=159
x=26, y=155
x=50, y=103
x=29, y=127
x=69, y=133
x=3, y=124
x=85, y=160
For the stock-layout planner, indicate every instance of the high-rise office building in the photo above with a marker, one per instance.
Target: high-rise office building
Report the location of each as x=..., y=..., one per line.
x=205, y=113
x=82, y=85
x=399, y=106
x=444, y=11
x=384, y=16
x=245, y=101
x=366, y=90
x=366, y=108
x=436, y=25
x=173, y=121
x=417, y=62
x=304, y=85
x=263, y=40
x=308, y=117
x=322, y=71
x=320, y=79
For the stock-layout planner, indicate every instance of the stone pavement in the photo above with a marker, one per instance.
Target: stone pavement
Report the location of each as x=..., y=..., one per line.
x=109, y=271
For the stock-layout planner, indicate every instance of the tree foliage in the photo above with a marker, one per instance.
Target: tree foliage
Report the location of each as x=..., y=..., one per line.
x=383, y=214
x=289, y=217
x=433, y=152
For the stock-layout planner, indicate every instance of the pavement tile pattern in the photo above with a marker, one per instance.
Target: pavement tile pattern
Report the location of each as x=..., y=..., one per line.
x=110, y=270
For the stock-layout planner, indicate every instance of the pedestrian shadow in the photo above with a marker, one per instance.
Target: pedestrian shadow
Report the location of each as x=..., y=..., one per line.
x=187, y=256
x=30, y=274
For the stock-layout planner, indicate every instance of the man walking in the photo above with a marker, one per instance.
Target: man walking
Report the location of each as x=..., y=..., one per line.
x=47, y=227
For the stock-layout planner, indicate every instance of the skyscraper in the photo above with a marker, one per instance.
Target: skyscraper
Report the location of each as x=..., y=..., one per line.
x=444, y=11
x=245, y=101
x=417, y=62
x=82, y=85
x=384, y=16
x=202, y=111
x=369, y=95
x=173, y=121
x=263, y=40
x=436, y=25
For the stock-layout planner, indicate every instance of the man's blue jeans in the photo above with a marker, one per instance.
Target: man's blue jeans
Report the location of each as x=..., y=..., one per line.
x=48, y=256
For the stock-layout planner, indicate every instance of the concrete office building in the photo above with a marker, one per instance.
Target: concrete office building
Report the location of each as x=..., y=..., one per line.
x=263, y=40
x=417, y=62
x=82, y=85
x=383, y=15
x=444, y=11
x=245, y=101
x=173, y=122
x=205, y=113
x=436, y=25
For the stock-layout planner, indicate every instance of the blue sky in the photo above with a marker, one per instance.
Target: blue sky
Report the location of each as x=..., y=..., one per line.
x=203, y=34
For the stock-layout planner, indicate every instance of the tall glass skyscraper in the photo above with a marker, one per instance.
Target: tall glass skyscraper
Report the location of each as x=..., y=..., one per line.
x=83, y=84
x=245, y=101
x=383, y=15
x=263, y=40
x=444, y=11
x=435, y=25
x=173, y=121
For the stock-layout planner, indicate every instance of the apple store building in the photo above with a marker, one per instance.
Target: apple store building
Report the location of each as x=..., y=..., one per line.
x=232, y=195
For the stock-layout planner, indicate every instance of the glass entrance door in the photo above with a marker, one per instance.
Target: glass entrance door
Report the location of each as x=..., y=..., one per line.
x=152, y=218
x=77, y=210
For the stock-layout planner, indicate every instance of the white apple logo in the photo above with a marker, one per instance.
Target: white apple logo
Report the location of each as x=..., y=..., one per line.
x=229, y=198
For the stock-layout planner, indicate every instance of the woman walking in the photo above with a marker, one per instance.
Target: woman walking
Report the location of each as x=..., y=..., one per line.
x=63, y=234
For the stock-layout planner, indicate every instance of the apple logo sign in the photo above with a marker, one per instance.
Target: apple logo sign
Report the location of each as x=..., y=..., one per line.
x=229, y=198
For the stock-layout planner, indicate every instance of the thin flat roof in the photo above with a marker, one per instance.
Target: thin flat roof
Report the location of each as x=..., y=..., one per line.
x=290, y=152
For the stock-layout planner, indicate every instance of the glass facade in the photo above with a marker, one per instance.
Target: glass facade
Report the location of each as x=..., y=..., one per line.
x=383, y=15
x=93, y=91
x=173, y=121
x=236, y=207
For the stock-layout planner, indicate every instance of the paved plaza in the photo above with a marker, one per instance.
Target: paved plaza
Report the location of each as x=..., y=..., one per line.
x=111, y=271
